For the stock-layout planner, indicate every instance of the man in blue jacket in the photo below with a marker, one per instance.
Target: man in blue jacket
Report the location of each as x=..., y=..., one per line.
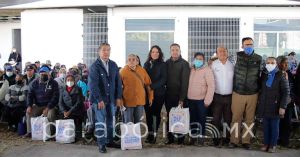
x=43, y=96
x=105, y=93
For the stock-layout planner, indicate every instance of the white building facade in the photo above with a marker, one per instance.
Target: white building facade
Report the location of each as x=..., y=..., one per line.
x=72, y=34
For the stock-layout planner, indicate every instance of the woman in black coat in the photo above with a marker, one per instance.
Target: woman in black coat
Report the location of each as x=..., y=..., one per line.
x=157, y=70
x=273, y=99
x=71, y=104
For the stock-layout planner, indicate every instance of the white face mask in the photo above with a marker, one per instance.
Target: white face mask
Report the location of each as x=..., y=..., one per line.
x=9, y=74
x=70, y=83
x=270, y=67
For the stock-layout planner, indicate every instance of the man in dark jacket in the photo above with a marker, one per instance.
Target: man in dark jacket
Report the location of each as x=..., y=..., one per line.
x=178, y=73
x=44, y=92
x=245, y=93
x=10, y=75
x=30, y=74
x=105, y=92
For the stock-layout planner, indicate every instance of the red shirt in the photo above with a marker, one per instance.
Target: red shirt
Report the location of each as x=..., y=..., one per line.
x=69, y=89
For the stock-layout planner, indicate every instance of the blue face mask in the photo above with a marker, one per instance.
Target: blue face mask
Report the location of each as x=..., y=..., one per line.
x=249, y=50
x=198, y=63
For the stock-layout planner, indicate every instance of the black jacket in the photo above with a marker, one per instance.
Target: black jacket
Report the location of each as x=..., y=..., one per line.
x=274, y=97
x=158, y=74
x=15, y=56
x=72, y=101
x=247, y=73
x=178, y=73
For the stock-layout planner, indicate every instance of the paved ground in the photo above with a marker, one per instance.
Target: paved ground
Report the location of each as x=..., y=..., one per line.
x=52, y=149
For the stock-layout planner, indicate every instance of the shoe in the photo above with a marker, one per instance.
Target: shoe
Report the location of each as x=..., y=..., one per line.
x=264, y=148
x=149, y=139
x=28, y=135
x=272, y=149
x=216, y=142
x=89, y=133
x=246, y=146
x=102, y=149
x=113, y=145
x=232, y=145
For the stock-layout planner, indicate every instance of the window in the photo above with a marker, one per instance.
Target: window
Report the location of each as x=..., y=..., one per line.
x=95, y=33
x=206, y=34
x=275, y=37
x=141, y=34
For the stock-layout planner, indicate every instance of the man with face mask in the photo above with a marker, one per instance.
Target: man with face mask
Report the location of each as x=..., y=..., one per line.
x=10, y=75
x=245, y=93
x=44, y=92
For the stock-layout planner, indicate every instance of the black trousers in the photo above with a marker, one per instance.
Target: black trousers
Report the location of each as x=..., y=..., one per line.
x=221, y=109
x=13, y=115
x=172, y=101
x=285, y=126
x=153, y=113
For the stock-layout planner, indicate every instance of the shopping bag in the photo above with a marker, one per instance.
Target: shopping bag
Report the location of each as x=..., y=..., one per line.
x=179, y=120
x=40, y=128
x=131, y=136
x=65, y=131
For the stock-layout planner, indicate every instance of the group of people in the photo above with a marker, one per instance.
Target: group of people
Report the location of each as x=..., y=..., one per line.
x=234, y=90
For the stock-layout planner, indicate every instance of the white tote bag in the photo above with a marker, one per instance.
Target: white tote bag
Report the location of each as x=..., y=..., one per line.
x=40, y=128
x=65, y=131
x=179, y=120
x=131, y=136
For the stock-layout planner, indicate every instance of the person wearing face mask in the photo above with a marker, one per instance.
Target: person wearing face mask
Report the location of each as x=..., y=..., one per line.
x=30, y=74
x=71, y=104
x=200, y=95
x=273, y=100
x=245, y=93
x=42, y=99
x=9, y=75
x=16, y=103
x=178, y=71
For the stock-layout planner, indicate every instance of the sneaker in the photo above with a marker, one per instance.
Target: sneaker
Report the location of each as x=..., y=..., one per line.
x=149, y=139
x=272, y=149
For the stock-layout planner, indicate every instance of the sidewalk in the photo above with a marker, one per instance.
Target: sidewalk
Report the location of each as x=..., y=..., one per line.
x=52, y=149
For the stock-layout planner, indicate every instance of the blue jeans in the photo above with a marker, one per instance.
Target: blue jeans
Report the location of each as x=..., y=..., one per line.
x=197, y=117
x=133, y=114
x=271, y=131
x=104, y=123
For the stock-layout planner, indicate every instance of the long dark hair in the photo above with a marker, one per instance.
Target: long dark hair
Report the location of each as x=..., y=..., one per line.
x=161, y=55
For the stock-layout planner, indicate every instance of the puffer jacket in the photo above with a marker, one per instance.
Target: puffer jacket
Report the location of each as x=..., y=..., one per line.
x=247, y=73
x=16, y=96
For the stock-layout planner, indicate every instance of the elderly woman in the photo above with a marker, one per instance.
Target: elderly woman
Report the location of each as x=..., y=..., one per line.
x=135, y=80
x=273, y=100
x=71, y=103
x=200, y=95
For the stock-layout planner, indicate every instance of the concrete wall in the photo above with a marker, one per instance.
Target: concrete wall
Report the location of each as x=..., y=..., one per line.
x=54, y=34
x=117, y=17
x=6, y=42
